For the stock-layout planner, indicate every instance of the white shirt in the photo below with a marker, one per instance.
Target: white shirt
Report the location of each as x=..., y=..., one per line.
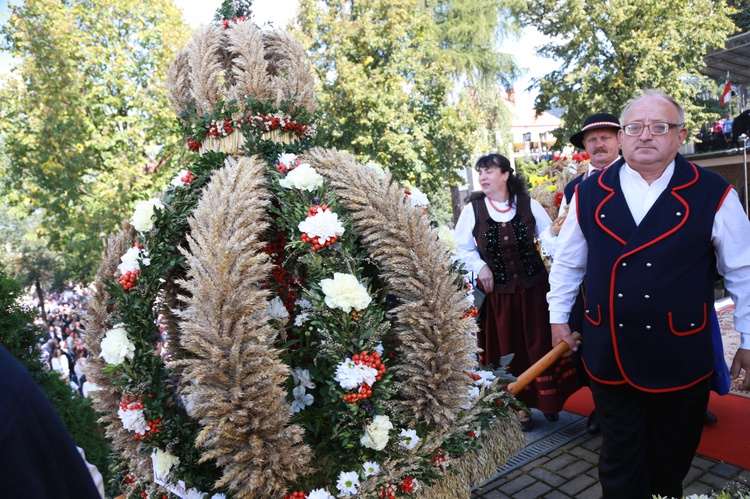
x=467, y=247
x=730, y=236
x=591, y=169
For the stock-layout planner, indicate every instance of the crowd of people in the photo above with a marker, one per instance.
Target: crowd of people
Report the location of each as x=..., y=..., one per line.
x=62, y=347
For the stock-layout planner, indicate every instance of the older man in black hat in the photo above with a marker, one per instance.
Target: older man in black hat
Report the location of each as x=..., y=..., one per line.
x=598, y=137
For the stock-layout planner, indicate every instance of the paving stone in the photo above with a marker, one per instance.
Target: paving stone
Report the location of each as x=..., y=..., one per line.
x=716, y=482
x=593, y=492
x=556, y=494
x=576, y=468
x=576, y=485
x=496, y=494
x=536, y=463
x=560, y=462
x=702, y=463
x=725, y=470
x=697, y=488
x=548, y=477
x=693, y=474
x=584, y=453
x=536, y=490
x=517, y=484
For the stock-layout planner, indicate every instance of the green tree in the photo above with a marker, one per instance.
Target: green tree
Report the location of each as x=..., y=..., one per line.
x=741, y=17
x=612, y=49
x=84, y=118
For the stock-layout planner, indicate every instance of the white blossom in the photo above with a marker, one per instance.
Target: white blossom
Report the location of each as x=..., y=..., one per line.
x=143, y=215
x=303, y=378
x=348, y=483
x=319, y=494
x=133, y=420
x=129, y=261
x=301, y=399
x=371, y=468
x=276, y=310
x=376, y=433
x=163, y=462
x=304, y=178
x=324, y=225
x=350, y=375
x=116, y=347
x=408, y=439
x=418, y=198
x=345, y=292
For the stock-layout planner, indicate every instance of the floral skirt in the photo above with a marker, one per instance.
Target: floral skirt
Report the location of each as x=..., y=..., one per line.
x=518, y=323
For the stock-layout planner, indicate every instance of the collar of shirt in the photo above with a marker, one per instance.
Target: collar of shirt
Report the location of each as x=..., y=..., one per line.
x=639, y=195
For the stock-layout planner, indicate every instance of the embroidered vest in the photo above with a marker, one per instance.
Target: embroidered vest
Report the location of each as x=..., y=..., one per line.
x=509, y=247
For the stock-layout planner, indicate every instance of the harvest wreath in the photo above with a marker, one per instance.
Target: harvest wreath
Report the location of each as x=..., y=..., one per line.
x=319, y=340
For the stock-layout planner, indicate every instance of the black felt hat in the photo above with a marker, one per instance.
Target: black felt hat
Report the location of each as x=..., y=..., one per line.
x=598, y=120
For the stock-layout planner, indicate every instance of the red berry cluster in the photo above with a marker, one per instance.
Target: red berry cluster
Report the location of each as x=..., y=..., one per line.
x=269, y=123
x=129, y=404
x=127, y=280
x=216, y=129
x=315, y=209
x=474, y=376
x=369, y=360
x=193, y=144
x=407, y=485
x=581, y=156
x=153, y=427
x=285, y=284
x=472, y=434
x=130, y=478
x=470, y=312
x=188, y=178
x=387, y=491
x=407, y=192
x=438, y=458
x=225, y=22
x=284, y=169
x=296, y=495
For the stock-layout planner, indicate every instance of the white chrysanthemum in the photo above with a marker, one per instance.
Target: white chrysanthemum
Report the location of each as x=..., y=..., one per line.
x=143, y=216
x=129, y=261
x=304, y=178
x=301, y=399
x=408, y=439
x=351, y=375
x=418, y=198
x=195, y=494
x=133, y=420
x=379, y=171
x=376, y=433
x=163, y=462
x=448, y=237
x=324, y=225
x=177, y=180
x=473, y=393
x=319, y=494
x=348, y=483
x=302, y=377
x=301, y=318
x=486, y=378
x=345, y=292
x=276, y=310
x=371, y=468
x=116, y=347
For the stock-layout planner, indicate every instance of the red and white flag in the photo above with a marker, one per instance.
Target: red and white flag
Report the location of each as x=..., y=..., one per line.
x=726, y=94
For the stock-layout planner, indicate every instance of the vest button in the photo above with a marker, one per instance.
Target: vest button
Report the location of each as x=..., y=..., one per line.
x=619, y=295
x=678, y=214
x=692, y=325
x=620, y=325
x=587, y=311
x=646, y=296
x=504, y=224
x=648, y=327
x=505, y=238
x=624, y=264
x=515, y=276
x=602, y=216
x=648, y=265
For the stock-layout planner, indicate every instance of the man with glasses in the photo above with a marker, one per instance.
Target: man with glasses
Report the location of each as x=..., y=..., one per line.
x=662, y=227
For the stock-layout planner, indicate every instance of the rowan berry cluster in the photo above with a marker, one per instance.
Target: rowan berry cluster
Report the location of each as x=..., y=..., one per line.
x=470, y=312
x=296, y=495
x=193, y=144
x=220, y=129
x=407, y=485
x=127, y=280
x=369, y=360
x=188, y=178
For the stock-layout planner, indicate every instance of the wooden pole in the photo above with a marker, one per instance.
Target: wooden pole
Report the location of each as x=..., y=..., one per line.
x=540, y=366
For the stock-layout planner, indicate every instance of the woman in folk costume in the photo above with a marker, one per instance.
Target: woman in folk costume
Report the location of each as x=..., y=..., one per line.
x=496, y=240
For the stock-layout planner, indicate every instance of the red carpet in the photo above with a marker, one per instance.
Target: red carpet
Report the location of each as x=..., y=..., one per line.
x=727, y=441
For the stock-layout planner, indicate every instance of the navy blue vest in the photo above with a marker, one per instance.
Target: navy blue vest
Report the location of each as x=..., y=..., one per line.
x=650, y=286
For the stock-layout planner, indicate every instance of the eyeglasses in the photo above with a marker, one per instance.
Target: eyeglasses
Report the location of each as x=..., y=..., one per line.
x=636, y=129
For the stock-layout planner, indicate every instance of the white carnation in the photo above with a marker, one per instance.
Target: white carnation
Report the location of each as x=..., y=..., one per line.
x=288, y=159
x=324, y=225
x=304, y=178
x=276, y=310
x=133, y=420
x=195, y=494
x=379, y=172
x=448, y=237
x=418, y=198
x=163, y=462
x=345, y=292
x=116, y=347
x=351, y=375
x=376, y=433
x=129, y=261
x=143, y=215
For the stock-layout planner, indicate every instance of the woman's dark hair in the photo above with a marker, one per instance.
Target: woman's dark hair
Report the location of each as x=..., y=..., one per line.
x=516, y=186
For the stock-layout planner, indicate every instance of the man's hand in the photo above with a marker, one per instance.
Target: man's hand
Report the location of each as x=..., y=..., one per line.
x=486, y=281
x=557, y=224
x=561, y=333
x=741, y=360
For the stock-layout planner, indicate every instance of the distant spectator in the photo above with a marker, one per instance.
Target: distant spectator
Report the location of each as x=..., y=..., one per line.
x=727, y=128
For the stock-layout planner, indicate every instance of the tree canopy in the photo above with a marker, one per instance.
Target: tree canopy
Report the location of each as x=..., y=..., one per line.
x=388, y=72
x=84, y=119
x=612, y=49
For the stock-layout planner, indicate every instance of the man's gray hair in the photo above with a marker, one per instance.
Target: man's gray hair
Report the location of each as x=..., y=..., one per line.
x=653, y=93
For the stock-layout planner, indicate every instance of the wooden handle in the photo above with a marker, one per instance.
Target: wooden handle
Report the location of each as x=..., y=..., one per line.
x=540, y=366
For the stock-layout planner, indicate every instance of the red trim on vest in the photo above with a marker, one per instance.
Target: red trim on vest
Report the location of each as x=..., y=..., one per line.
x=691, y=331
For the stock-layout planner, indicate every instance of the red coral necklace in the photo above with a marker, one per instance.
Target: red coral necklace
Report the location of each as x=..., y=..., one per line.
x=505, y=210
